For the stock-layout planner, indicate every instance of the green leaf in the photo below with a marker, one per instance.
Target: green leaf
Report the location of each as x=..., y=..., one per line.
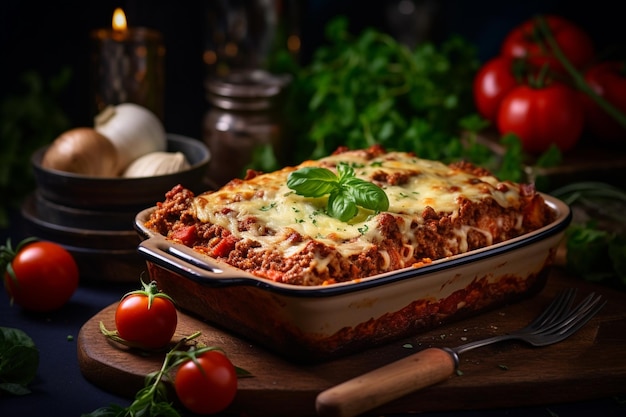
x=14, y=389
x=550, y=158
x=347, y=192
x=587, y=252
x=113, y=410
x=367, y=194
x=19, y=361
x=512, y=160
x=345, y=171
x=312, y=181
x=29, y=119
x=341, y=205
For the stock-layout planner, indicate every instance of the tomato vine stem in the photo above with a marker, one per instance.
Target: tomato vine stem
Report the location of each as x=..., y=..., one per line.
x=577, y=77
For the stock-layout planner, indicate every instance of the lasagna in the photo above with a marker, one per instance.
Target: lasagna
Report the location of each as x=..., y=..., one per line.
x=260, y=225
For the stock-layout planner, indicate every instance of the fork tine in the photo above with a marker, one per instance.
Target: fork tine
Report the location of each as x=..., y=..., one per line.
x=557, y=308
x=583, y=319
x=587, y=308
x=557, y=322
x=568, y=315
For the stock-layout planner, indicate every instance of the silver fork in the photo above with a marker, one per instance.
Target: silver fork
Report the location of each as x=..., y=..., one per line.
x=429, y=366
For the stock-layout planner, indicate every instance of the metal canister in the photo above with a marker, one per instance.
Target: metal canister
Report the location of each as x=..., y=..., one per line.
x=245, y=114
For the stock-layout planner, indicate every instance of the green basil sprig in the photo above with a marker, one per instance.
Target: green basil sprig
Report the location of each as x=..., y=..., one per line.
x=347, y=192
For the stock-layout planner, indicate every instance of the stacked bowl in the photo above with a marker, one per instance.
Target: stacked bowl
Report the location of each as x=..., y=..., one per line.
x=93, y=217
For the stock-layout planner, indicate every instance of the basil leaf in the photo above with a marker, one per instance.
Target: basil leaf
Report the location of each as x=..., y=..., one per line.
x=19, y=360
x=367, y=194
x=312, y=181
x=345, y=171
x=347, y=192
x=341, y=205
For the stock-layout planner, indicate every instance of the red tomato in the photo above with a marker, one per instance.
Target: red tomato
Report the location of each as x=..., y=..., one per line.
x=147, y=317
x=44, y=274
x=608, y=80
x=494, y=79
x=224, y=246
x=526, y=40
x=186, y=235
x=209, y=386
x=543, y=116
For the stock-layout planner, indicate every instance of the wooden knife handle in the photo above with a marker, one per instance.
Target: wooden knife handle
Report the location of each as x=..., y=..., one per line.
x=387, y=383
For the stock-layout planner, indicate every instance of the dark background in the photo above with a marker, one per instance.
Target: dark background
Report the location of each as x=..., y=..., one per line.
x=49, y=36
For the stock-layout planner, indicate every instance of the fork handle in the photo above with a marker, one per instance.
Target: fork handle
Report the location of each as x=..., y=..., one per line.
x=387, y=383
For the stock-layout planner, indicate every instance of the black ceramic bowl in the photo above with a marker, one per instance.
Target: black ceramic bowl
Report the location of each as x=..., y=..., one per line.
x=121, y=194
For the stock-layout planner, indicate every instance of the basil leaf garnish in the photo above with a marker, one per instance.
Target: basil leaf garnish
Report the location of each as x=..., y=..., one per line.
x=367, y=194
x=312, y=181
x=346, y=191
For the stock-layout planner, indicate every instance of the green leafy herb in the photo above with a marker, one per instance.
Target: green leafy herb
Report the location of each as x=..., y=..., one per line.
x=19, y=360
x=151, y=400
x=28, y=121
x=345, y=191
x=268, y=208
x=596, y=239
x=368, y=88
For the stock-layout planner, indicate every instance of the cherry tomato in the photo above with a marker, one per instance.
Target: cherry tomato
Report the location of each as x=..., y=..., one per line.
x=542, y=116
x=208, y=386
x=146, y=318
x=526, y=40
x=39, y=276
x=492, y=82
x=608, y=80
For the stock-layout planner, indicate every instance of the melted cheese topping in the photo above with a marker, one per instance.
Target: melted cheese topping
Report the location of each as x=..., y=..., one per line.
x=271, y=211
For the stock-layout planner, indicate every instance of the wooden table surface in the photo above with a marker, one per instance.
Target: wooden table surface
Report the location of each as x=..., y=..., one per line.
x=590, y=364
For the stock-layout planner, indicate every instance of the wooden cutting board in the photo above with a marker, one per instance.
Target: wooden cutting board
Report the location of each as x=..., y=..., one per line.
x=590, y=364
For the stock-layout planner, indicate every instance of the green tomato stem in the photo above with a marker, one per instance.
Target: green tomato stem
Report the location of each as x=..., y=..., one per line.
x=151, y=291
x=579, y=79
x=150, y=393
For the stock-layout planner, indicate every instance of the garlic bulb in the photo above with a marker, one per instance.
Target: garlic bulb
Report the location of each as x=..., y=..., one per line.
x=157, y=163
x=82, y=151
x=134, y=131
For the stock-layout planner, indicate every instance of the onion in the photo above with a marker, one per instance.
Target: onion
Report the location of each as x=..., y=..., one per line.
x=83, y=151
x=134, y=130
x=157, y=163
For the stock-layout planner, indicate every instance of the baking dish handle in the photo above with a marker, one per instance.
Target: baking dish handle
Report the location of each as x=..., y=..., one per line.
x=183, y=260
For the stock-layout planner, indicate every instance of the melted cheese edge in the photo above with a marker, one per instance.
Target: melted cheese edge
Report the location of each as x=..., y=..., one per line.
x=278, y=210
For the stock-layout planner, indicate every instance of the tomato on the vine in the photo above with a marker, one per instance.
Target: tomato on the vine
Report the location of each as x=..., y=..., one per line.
x=146, y=318
x=492, y=82
x=39, y=275
x=608, y=80
x=542, y=117
x=207, y=385
x=527, y=41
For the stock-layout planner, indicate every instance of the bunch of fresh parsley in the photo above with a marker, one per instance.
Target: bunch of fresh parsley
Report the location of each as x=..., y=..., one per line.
x=368, y=88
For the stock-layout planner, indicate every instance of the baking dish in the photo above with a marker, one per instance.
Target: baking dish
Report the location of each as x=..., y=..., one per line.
x=314, y=323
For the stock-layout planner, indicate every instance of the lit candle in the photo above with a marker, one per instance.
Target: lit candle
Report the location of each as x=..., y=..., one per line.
x=127, y=66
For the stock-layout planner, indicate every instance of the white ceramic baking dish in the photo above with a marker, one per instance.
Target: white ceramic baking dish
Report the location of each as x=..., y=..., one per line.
x=322, y=322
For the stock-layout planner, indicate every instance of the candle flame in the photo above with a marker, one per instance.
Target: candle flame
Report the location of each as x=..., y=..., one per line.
x=119, y=20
